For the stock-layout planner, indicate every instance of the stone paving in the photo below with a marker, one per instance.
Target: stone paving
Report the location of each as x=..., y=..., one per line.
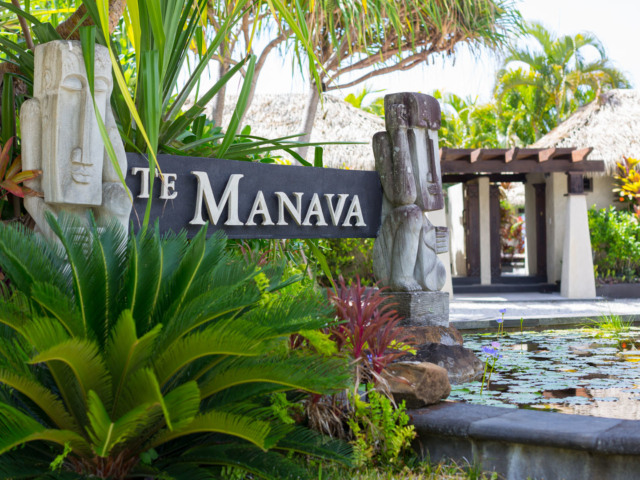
x=478, y=309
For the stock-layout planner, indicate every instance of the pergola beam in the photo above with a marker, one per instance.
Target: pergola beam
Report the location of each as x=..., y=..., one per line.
x=581, y=154
x=522, y=166
x=547, y=154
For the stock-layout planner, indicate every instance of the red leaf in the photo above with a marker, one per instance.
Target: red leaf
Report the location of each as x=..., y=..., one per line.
x=12, y=187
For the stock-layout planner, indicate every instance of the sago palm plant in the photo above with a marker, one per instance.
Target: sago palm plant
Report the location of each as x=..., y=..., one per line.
x=142, y=356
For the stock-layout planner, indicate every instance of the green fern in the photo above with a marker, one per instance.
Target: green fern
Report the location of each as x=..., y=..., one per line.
x=113, y=347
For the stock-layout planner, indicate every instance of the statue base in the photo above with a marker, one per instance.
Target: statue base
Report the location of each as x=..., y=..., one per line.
x=420, y=309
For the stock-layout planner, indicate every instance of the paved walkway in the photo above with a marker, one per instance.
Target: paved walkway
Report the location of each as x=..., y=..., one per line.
x=481, y=310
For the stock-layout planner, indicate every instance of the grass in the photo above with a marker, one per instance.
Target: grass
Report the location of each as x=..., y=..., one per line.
x=610, y=323
x=420, y=471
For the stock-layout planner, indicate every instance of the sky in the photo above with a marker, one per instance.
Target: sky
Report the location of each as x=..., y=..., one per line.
x=614, y=22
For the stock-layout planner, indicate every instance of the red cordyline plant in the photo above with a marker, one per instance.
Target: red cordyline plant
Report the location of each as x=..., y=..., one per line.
x=11, y=174
x=368, y=329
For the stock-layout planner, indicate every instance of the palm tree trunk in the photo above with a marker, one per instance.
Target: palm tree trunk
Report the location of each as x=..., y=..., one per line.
x=308, y=116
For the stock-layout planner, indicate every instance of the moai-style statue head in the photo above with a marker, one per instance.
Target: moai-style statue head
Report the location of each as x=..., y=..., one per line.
x=420, y=115
x=72, y=147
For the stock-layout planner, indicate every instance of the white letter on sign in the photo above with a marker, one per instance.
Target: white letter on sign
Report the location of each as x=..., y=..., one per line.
x=169, y=182
x=315, y=210
x=337, y=213
x=205, y=193
x=144, y=179
x=283, y=201
x=259, y=208
x=354, y=211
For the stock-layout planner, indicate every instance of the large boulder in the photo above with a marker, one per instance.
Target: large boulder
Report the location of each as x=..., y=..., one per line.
x=462, y=364
x=418, y=384
x=434, y=334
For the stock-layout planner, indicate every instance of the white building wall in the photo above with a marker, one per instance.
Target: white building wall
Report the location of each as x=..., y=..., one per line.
x=602, y=195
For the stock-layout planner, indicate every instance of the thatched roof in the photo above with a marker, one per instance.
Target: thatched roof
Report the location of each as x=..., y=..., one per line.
x=611, y=125
x=274, y=116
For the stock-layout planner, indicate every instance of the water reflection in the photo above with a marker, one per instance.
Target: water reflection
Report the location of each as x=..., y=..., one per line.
x=571, y=371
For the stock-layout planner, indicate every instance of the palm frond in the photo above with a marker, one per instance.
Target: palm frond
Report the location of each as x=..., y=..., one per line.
x=246, y=428
x=42, y=397
x=236, y=337
x=267, y=465
x=126, y=353
x=310, y=373
x=106, y=434
x=305, y=441
x=84, y=359
x=16, y=429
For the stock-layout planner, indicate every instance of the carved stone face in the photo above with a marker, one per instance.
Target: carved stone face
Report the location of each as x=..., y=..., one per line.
x=72, y=147
x=420, y=114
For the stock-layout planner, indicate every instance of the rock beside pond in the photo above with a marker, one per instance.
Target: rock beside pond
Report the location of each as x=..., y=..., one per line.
x=418, y=384
x=435, y=334
x=461, y=364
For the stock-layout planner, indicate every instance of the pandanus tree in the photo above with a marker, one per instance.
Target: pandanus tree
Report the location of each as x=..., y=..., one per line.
x=148, y=356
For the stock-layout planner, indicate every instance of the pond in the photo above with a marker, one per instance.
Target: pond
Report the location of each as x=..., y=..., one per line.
x=585, y=372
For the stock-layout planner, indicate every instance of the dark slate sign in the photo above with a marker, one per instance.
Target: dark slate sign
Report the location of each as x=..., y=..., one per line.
x=256, y=200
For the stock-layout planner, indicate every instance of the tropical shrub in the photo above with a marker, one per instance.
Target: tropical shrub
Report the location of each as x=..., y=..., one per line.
x=615, y=241
x=148, y=356
x=348, y=257
x=627, y=183
x=368, y=329
x=381, y=432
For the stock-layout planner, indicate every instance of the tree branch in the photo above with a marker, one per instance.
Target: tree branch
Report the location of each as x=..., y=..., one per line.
x=25, y=27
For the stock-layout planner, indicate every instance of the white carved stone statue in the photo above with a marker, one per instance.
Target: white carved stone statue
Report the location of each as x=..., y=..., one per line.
x=407, y=159
x=60, y=136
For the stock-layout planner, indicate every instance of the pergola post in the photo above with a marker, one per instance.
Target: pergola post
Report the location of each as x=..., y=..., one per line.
x=485, y=230
x=578, y=280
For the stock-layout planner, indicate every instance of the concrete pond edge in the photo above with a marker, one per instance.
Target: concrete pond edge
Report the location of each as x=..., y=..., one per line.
x=523, y=444
x=531, y=323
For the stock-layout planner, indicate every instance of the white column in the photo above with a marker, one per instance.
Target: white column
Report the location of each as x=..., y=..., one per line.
x=556, y=200
x=485, y=231
x=578, y=280
x=439, y=219
x=530, y=225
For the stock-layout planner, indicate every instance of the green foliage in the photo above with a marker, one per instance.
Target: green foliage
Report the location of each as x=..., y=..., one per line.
x=348, y=257
x=612, y=323
x=150, y=355
x=381, y=432
x=615, y=241
x=556, y=79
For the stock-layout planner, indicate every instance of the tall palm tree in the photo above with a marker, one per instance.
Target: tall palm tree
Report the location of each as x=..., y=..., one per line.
x=556, y=70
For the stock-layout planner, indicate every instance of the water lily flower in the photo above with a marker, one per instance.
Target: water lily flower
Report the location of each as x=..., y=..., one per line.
x=495, y=344
x=500, y=320
x=503, y=311
x=489, y=350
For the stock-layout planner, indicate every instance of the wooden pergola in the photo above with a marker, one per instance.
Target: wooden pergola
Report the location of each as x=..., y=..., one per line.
x=517, y=160
x=465, y=165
